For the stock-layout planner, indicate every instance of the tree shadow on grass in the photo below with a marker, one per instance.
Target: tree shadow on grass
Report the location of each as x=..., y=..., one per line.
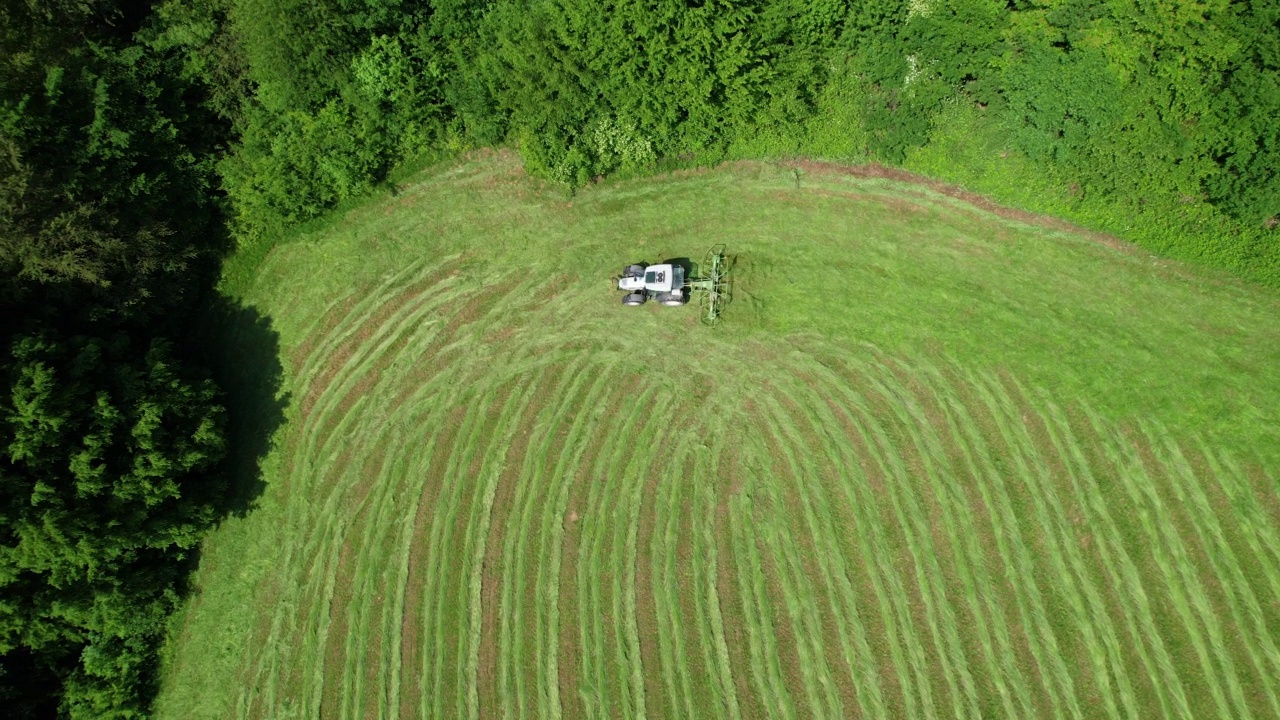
x=244, y=354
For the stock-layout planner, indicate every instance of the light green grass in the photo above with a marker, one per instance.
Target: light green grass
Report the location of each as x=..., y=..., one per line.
x=934, y=463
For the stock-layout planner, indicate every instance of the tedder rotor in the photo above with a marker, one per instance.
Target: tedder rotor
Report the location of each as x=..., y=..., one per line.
x=667, y=284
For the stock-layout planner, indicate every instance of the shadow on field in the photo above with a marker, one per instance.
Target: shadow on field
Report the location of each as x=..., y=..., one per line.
x=684, y=263
x=245, y=355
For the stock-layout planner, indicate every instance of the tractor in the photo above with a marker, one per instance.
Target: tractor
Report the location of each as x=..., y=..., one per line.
x=667, y=285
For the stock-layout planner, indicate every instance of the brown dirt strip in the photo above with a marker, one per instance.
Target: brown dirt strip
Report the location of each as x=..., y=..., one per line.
x=328, y=322
x=814, y=448
x=1228, y=517
x=788, y=656
x=698, y=674
x=569, y=654
x=331, y=700
x=1242, y=665
x=1059, y=478
x=411, y=627
x=909, y=570
x=954, y=464
x=317, y=386
x=730, y=476
x=491, y=570
x=1138, y=545
x=877, y=171
x=344, y=578
x=656, y=700
x=872, y=623
x=1005, y=594
x=528, y=663
x=453, y=648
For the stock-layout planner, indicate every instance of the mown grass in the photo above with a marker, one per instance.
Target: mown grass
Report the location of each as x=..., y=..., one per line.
x=934, y=463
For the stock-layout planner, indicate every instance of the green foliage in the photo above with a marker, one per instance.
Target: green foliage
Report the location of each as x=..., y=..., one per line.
x=105, y=183
x=106, y=452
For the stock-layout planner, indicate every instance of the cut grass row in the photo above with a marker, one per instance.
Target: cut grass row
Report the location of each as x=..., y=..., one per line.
x=491, y=503
x=924, y=578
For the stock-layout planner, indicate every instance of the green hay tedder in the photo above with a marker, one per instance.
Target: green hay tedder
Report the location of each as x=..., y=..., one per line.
x=667, y=284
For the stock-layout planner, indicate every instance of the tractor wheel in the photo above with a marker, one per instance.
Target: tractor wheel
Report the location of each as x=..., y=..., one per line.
x=669, y=299
x=633, y=299
x=633, y=271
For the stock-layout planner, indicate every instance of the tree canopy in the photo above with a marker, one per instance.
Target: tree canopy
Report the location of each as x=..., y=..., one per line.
x=141, y=141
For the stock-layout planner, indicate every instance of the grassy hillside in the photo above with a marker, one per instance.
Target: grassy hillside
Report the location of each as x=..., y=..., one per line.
x=937, y=461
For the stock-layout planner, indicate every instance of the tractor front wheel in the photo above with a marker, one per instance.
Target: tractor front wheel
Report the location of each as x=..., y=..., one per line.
x=633, y=299
x=633, y=271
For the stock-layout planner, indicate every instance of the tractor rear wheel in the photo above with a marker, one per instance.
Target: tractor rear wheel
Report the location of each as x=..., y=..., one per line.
x=633, y=299
x=669, y=299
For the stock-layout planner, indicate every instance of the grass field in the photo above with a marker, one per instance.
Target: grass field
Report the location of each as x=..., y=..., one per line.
x=936, y=462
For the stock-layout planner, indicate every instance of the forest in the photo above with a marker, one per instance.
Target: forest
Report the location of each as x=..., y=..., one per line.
x=143, y=142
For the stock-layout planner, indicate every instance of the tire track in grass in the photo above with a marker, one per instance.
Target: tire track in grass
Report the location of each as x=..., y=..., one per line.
x=1066, y=505
x=1060, y=554
x=377, y=651
x=964, y=517
x=1233, y=498
x=401, y=623
x=914, y=604
x=1132, y=481
x=443, y=527
x=670, y=591
x=762, y=639
x=373, y=314
x=918, y=461
x=708, y=610
x=660, y=690
x=851, y=599
x=313, y=540
x=516, y=590
x=904, y=664
x=493, y=470
x=799, y=554
x=1189, y=597
x=565, y=447
x=734, y=616
x=1010, y=552
x=577, y=453
x=440, y=551
x=340, y=677
x=596, y=577
x=1195, y=518
x=308, y=592
x=412, y=628
x=324, y=630
x=952, y=520
x=636, y=641
x=579, y=571
x=512, y=560
x=1089, y=455
x=1037, y=459
x=516, y=458
x=456, y=624
x=365, y=677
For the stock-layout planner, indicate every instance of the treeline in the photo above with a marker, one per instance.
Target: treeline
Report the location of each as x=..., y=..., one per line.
x=111, y=427
x=139, y=141
x=1153, y=120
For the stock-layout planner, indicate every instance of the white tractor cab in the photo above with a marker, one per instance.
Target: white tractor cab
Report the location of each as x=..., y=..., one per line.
x=664, y=283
